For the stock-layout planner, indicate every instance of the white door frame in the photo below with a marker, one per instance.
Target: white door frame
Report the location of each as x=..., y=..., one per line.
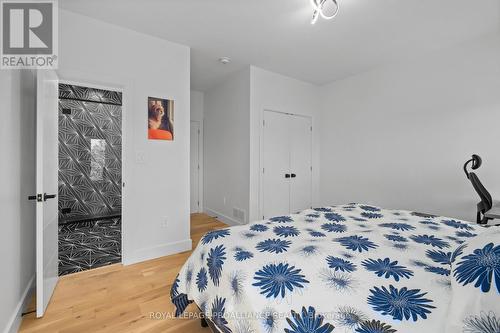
x=88, y=80
x=200, y=164
x=261, y=153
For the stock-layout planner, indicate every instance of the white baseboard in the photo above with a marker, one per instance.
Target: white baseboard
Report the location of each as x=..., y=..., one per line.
x=224, y=218
x=157, y=252
x=15, y=319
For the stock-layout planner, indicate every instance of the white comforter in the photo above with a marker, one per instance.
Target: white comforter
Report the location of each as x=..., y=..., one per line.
x=351, y=268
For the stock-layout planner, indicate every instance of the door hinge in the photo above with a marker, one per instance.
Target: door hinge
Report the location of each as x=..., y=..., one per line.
x=311, y=128
x=263, y=169
x=263, y=123
x=198, y=167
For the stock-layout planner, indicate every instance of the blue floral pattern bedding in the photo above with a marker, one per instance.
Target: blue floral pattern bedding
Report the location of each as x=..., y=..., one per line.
x=352, y=268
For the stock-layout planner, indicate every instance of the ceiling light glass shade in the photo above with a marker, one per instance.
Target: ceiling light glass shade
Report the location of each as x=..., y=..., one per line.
x=327, y=9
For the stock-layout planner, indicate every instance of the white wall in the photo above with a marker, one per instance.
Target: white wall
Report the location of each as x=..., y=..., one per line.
x=233, y=124
x=17, y=176
x=197, y=105
x=397, y=136
x=226, y=147
x=197, y=100
x=156, y=173
x=271, y=91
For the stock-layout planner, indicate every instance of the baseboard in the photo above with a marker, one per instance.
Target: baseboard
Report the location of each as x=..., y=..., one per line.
x=15, y=320
x=157, y=252
x=224, y=218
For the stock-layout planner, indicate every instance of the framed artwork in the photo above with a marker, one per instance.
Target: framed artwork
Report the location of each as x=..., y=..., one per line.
x=160, y=119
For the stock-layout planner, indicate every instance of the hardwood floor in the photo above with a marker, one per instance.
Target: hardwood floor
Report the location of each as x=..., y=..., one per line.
x=120, y=298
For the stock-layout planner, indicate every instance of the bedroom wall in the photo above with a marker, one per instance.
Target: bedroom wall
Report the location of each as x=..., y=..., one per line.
x=17, y=239
x=272, y=91
x=398, y=136
x=197, y=100
x=156, y=173
x=233, y=112
x=226, y=148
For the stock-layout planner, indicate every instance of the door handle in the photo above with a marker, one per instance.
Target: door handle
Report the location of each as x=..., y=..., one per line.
x=293, y=175
x=287, y=175
x=37, y=197
x=48, y=196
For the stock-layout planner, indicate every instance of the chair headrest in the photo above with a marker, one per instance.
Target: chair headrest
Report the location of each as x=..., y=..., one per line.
x=476, y=163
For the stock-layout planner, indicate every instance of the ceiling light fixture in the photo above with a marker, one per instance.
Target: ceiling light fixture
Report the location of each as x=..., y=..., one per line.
x=327, y=9
x=225, y=60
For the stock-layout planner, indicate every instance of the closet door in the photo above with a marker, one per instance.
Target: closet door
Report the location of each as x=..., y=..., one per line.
x=300, y=163
x=276, y=164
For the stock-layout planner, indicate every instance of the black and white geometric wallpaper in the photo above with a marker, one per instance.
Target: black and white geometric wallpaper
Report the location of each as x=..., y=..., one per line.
x=90, y=160
x=87, y=245
x=67, y=91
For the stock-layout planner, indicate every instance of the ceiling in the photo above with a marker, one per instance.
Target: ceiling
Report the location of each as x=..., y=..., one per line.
x=277, y=34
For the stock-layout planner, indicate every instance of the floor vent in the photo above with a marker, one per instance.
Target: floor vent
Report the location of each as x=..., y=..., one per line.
x=239, y=214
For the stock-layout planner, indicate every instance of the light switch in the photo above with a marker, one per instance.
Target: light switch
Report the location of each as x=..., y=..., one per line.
x=140, y=158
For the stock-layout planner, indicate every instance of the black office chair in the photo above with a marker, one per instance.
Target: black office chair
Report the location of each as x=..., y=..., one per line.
x=486, y=201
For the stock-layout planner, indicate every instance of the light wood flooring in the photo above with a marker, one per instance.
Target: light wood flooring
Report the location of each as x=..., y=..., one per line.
x=120, y=298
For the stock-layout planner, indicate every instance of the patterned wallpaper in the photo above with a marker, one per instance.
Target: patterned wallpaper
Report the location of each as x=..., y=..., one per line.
x=90, y=160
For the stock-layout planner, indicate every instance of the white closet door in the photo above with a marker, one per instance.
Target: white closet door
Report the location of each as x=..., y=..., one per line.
x=195, y=170
x=276, y=164
x=300, y=163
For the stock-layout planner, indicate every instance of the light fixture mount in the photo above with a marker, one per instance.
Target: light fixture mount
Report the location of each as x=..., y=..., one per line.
x=224, y=60
x=327, y=9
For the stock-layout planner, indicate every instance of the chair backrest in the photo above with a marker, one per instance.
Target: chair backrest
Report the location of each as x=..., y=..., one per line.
x=481, y=191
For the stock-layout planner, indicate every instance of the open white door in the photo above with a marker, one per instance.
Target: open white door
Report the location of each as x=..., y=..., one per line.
x=46, y=187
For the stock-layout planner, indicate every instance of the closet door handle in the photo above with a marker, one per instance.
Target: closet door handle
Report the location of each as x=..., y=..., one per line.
x=293, y=175
x=287, y=175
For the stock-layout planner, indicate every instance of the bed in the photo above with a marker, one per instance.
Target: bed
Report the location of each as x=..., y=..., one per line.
x=349, y=268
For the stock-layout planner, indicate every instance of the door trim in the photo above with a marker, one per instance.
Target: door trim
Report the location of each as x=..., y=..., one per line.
x=200, y=164
x=261, y=153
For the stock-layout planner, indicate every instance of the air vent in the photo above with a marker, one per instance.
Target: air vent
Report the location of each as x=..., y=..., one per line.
x=66, y=111
x=239, y=214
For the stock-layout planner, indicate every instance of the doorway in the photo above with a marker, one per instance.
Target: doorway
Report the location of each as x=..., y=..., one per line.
x=287, y=163
x=89, y=178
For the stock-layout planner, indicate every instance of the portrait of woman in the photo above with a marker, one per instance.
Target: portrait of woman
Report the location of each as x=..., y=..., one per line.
x=160, y=119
